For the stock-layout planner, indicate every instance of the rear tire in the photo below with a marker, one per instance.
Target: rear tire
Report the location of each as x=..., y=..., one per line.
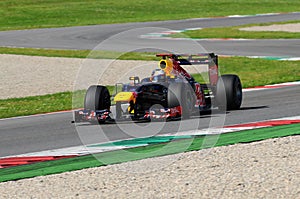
x=97, y=98
x=229, y=92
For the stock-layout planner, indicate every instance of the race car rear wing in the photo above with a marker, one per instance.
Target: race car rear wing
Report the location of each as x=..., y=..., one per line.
x=209, y=59
x=191, y=59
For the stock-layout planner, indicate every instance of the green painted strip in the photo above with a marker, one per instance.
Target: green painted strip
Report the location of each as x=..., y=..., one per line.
x=175, y=146
x=142, y=141
x=275, y=58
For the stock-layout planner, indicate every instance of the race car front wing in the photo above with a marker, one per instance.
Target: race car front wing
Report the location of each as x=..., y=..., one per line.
x=102, y=116
x=92, y=116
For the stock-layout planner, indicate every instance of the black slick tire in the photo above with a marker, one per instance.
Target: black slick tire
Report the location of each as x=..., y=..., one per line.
x=182, y=94
x=97, y=97
x=229, y=92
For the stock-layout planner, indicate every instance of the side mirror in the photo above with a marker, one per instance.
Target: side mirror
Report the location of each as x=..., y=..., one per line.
x=135, y=79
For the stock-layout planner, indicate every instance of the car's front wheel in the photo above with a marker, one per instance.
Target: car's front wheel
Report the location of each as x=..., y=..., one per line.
x=182, y=94
x=97, y=97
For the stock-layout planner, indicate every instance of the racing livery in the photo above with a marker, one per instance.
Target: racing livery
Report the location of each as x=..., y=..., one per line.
x=170, y=92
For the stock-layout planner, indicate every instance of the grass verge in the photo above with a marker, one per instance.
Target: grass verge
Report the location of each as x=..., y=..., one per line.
x=36, y=104
x=153, y=150
x=43, y=104
x=94, y=54
x=253, y=72
x=235, y=32
x=27, y=14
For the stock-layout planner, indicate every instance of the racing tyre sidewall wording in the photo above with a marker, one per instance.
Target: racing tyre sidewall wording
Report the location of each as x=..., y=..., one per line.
x=181, y=94
x=97, y=97
x=229, y=92
x=189, y=101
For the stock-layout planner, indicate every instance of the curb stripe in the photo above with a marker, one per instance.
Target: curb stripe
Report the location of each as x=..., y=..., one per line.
x=137, y=142
x=16, y=161
x=266, y=123
x=273, y=86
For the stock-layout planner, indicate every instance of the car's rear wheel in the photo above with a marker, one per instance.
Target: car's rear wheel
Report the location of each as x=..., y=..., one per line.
x=229, y=92
x=97, y=97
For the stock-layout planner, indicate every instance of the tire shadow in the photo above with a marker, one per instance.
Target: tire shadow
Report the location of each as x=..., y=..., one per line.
x=253, y=107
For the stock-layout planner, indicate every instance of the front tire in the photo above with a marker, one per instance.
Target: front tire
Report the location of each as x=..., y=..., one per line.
x=180, y=94
x=97, y=97
x=118, y=110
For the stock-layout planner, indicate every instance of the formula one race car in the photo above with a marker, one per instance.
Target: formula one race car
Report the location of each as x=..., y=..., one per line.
x=170, y=92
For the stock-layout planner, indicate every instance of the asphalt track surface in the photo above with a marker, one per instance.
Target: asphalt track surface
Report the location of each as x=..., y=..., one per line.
x=126, y=37
x=53, y=131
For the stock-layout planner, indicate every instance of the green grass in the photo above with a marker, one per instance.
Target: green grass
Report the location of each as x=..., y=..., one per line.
x=27, y=14
x=95, y=54
x=43, y=104
x=46, y=52
x=253, y=72
x=37, y=104
x=234, y=32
